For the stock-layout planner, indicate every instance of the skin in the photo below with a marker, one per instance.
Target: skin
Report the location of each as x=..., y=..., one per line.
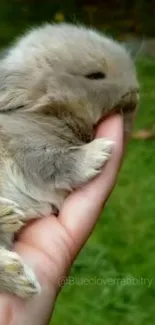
x=50, y=245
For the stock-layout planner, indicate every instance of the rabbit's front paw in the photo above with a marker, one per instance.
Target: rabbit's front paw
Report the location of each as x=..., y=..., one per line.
x=15, y=276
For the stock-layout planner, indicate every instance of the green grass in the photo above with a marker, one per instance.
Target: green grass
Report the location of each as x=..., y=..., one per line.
x=123, y=243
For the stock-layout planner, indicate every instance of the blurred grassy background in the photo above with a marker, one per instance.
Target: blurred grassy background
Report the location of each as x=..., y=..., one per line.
x=112, y=282
x=118, y=17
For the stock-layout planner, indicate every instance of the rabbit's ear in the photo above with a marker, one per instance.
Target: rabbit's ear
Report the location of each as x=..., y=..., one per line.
x=6, y=91
x=136, y=47
x=13, y=94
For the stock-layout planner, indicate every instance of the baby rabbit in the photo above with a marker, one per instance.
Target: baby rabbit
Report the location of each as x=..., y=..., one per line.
x=56, y=83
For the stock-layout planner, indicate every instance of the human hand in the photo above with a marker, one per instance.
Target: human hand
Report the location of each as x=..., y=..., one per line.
x=50, y=245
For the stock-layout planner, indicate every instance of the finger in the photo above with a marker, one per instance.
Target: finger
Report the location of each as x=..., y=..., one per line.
x=82, y=208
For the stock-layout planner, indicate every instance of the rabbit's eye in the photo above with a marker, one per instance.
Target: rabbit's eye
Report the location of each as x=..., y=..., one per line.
x=96, y=76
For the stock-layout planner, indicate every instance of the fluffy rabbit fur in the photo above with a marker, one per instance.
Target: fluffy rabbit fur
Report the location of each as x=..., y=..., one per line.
x=56, y=83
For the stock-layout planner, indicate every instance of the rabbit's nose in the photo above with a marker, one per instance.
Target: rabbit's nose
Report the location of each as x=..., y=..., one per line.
x=130, y=101
x=134, y=96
